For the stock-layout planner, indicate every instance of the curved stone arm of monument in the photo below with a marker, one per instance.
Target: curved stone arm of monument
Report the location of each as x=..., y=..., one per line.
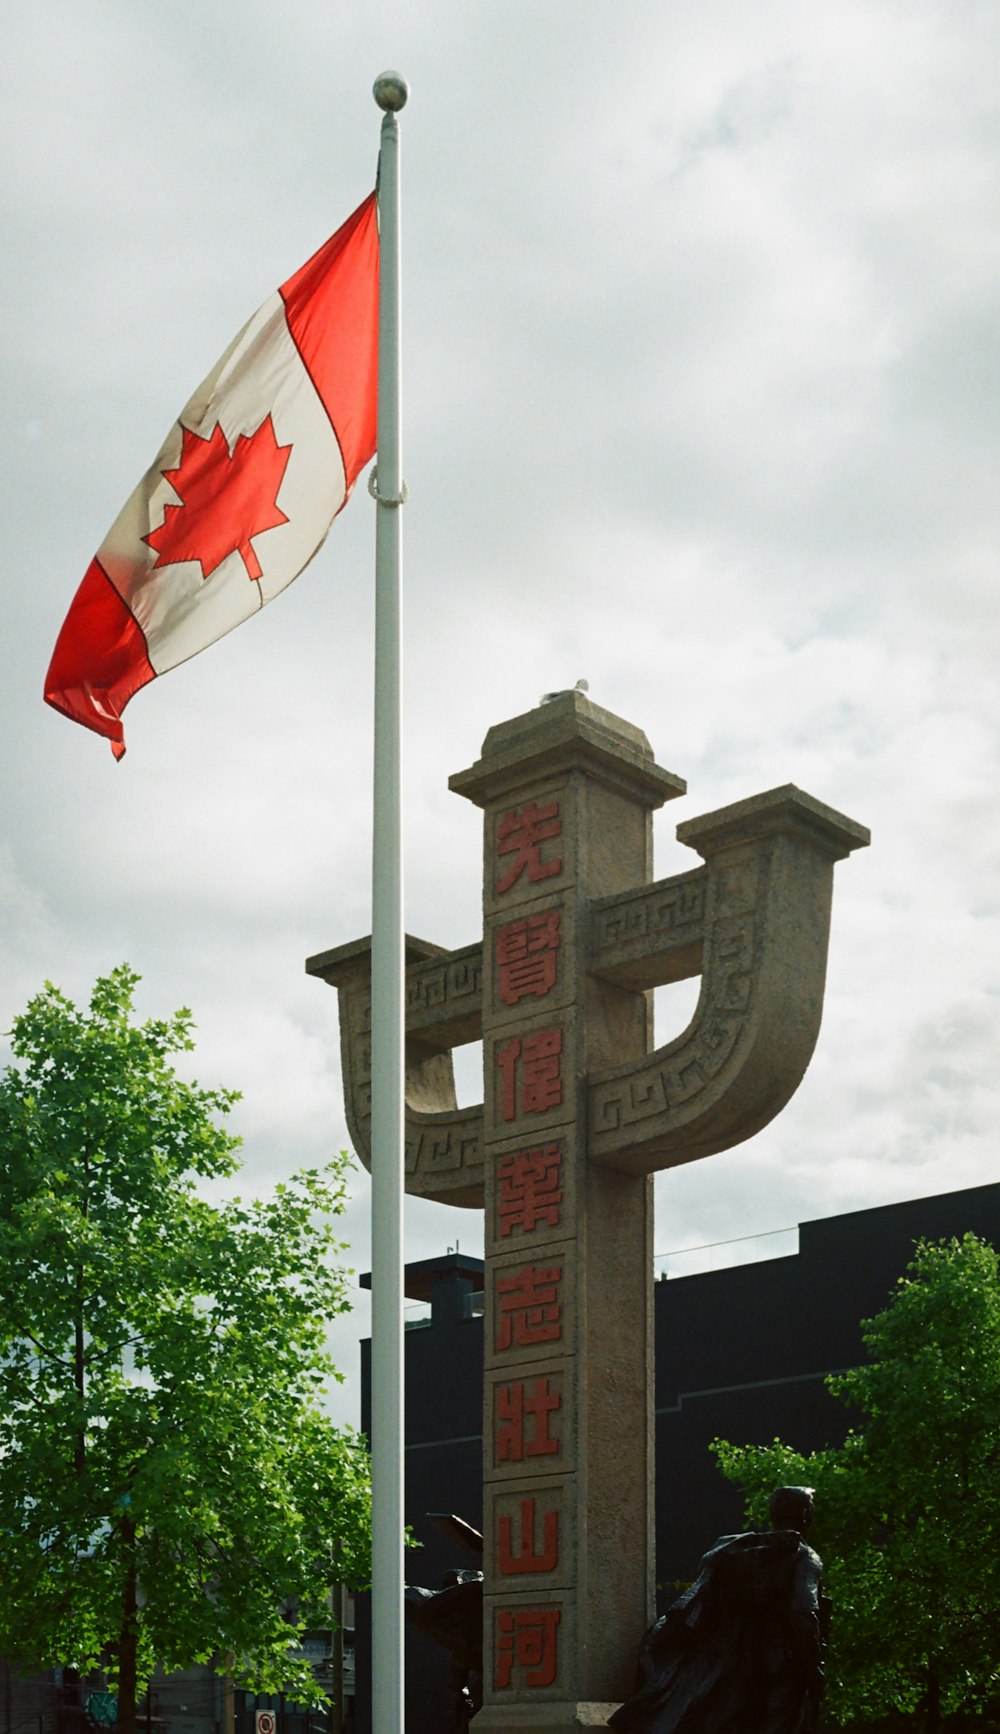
x=444, y=1143
x=753, y=922
x=762, y=903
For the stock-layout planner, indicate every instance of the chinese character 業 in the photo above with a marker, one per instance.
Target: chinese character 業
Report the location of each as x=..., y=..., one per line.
x=529, y=1190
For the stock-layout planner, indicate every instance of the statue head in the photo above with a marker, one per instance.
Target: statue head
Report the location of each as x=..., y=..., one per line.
x=791, y=1508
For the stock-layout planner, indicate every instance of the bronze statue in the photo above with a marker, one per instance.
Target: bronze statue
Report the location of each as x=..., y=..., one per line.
x=453, y=1617
x=741, y=1651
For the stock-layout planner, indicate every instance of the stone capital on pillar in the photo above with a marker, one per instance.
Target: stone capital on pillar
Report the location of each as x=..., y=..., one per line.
x=566, y=733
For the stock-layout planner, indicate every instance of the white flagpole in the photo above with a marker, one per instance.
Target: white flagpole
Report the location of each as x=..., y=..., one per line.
x=390, y=92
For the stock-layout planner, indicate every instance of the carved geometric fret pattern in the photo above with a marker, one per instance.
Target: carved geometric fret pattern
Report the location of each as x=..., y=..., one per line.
x=668, y=909
x=675, y=1075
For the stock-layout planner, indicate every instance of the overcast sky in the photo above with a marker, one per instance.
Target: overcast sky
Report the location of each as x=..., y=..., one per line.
x=702, y=395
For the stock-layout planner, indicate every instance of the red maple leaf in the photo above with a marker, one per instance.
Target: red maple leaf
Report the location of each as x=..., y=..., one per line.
x=226, y=498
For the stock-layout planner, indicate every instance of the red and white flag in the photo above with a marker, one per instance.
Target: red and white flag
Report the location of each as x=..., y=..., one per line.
x=243, y=492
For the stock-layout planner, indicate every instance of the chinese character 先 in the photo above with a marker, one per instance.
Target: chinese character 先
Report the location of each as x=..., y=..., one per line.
x=519, y=833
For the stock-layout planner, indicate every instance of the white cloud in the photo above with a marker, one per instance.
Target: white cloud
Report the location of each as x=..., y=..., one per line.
x=700, y=366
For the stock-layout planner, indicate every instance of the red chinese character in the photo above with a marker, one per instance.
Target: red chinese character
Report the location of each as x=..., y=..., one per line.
x=519, y=833
x=515, y=1406
x=526, y=957
x=528, y=1309
x=542, y=1072
x=541, y=1079
x=529, y=1191
x=526, y=1638
x=511, y=1564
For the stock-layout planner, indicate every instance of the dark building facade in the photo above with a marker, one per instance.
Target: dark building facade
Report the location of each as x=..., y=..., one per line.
x=741, y=1354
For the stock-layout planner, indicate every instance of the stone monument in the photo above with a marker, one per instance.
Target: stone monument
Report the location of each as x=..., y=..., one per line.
x=579, y=1111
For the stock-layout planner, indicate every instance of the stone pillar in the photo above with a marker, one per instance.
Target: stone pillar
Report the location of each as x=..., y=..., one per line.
x=567, y=795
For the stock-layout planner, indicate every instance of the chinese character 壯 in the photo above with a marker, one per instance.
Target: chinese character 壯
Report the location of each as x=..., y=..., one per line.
x=529, y=1191
x=526, y=954
x=526, y=1638
x=515, y=1406
x=519, y=833
x=511, y=1564
x=528, y=1307
x=540, y=1057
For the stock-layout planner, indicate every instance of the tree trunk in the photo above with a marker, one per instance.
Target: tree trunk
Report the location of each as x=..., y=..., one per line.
x=128, y=1641
x=932, y=1700
x=79, y=1338
x=79, y=1378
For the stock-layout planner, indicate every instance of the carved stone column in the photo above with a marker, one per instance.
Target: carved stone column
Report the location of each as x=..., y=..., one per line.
x=567, y=795
x=578, y=1113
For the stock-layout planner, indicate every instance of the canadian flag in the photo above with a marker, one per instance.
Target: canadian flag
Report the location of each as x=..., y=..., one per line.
x=243, y=491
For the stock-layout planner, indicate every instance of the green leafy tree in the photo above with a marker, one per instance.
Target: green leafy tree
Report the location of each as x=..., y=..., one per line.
x=170, y=1488
x=908, y=1508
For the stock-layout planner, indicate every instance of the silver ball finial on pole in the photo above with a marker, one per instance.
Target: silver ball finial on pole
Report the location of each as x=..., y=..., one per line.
x=390, y=91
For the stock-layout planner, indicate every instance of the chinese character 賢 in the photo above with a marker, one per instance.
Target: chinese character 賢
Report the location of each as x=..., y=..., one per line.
x=527, y=957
